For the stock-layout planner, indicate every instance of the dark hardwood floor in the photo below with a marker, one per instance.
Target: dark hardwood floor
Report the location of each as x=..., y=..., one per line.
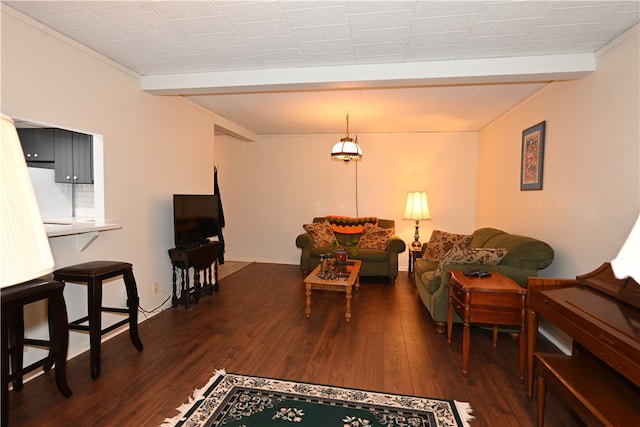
x=256, y=325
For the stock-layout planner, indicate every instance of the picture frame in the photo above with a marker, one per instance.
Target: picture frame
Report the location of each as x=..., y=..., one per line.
x=532, y=160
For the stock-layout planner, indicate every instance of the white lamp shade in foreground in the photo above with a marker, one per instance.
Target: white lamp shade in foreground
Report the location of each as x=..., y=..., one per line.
x=24, y=246
x=627, y=263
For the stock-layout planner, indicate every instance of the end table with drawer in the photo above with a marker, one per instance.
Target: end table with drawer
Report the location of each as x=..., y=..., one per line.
x=493, y=300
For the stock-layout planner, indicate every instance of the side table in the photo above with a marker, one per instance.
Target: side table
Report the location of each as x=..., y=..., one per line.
x=198, y=258
x=414, y=254
x=493, y=300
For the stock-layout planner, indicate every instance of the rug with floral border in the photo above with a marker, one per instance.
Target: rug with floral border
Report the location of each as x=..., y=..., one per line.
x=245, y=401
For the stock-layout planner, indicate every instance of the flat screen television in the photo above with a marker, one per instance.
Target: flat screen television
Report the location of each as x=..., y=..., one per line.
x=195, y=218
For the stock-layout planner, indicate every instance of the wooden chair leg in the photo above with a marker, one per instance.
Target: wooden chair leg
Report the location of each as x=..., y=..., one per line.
x=132, y=302
x=59, y=337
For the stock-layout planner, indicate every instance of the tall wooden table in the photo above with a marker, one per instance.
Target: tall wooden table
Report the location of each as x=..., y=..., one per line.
x=199, y=258
x=494, y=300
x=347, y=277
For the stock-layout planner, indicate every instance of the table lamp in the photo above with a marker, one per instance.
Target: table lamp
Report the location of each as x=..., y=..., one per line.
x=24, y=246
x=417, y=208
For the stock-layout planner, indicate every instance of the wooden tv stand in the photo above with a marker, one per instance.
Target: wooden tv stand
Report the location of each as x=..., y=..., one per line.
x=199, y=258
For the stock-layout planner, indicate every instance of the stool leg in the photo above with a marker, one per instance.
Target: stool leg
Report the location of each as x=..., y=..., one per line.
x=94, y=308
x=16, y=343
x=132, y=302
x=59, y=340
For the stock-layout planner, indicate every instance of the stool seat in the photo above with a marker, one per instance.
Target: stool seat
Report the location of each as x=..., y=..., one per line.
x=92, y=274
x=14, y=298
x=92, y=269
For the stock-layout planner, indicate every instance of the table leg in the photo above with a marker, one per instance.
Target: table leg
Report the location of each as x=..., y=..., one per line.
x=522, y=348
x=307, y=310
x=495, y=336
x=542, y=395
x=466, y=339
x=347, y=313
x=450, y=318
x=532, y=336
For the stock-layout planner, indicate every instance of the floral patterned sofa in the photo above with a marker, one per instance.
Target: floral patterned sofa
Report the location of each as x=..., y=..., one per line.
x=368, y=239
x=489, y=249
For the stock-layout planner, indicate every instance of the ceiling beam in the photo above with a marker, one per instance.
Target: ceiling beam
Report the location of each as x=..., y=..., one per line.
x=230, y=128
x=433, y=73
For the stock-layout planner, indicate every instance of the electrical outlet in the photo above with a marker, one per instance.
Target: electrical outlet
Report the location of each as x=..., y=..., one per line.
x=155, y=287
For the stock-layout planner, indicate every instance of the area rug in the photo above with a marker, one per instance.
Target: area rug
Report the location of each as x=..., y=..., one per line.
x=243, y=401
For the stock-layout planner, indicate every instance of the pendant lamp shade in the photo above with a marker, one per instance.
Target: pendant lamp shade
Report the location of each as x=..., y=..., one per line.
x=347, y=149
x=24, y=247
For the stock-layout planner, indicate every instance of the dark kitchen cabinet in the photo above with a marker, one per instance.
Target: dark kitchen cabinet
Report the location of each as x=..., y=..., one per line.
x=37, y=144
x=73, y=157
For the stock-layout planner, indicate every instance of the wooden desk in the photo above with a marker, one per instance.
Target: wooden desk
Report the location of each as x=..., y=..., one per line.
x=343, y=283
x=495, y=300
x=600, y=381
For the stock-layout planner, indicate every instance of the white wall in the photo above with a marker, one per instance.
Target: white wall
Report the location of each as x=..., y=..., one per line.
x=591, y=192
x=272, y=186
x=153, y=147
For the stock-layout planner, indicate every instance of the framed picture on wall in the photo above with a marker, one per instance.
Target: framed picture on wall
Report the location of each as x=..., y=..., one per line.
x=532, y=157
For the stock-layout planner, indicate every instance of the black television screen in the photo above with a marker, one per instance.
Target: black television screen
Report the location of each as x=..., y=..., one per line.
x=195, y=218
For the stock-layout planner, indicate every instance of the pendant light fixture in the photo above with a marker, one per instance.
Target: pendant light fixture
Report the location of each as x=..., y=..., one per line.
x=347, y=149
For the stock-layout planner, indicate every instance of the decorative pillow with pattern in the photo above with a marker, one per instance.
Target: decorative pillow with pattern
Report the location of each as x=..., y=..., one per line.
x=467, y=255
x=374, y=237
x=442, y=242
x=349, y=225
x=321, y=234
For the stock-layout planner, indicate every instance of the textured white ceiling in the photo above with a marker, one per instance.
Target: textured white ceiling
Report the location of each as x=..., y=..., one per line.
x=182, y=40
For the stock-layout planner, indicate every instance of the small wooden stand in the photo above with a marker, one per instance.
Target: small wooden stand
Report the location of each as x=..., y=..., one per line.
x=200, y=258
x=495, y=300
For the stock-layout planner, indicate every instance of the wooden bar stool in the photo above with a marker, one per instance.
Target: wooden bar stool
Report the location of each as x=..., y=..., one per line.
x=14, y=298
x=93, y=273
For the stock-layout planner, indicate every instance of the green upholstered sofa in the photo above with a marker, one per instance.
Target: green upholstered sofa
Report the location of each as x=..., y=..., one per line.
x=375, y=262
x=525, y=256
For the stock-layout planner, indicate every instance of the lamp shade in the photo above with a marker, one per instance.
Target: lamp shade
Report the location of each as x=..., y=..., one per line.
x=347, y=149
x=417, y=206
x=627, y=263
x=25, y=253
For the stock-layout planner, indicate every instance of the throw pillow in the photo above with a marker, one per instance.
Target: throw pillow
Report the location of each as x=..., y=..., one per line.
x=467, y=255
x=321, y=234
x=349, y=225
x=441, y=242
x=374, y=237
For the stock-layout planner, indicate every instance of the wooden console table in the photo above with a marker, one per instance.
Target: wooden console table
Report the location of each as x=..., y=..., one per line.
x=199, y=258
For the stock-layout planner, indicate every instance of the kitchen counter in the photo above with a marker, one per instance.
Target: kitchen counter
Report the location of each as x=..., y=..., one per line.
x=86, y=230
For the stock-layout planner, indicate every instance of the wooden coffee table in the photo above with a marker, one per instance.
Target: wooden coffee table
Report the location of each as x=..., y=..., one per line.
x=348, y=276
x=494, y=300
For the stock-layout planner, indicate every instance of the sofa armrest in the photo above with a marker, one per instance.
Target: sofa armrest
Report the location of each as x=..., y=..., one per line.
x=304, y=241
x=395, y=244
